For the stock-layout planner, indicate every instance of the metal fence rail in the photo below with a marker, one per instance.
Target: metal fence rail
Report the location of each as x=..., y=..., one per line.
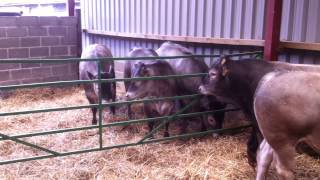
x=100, y=106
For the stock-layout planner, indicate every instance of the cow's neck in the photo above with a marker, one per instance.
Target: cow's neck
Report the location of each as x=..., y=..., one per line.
x=244, y=79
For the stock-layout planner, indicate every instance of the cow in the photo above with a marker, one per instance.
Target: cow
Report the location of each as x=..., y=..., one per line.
x=286, y=106
x=88, y=70
x=236, y=82
x=154, y=88
x=190, y=85
x=129, y=66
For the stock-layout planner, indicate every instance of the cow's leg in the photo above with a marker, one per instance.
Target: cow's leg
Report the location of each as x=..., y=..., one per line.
x=94, y=118
x=92, y=100
x=94, y=111
x=150, y=114
x=219, y=116
x=127, y=74
x=168, y=109
x=113, y=108
x=150, y=125
x=166, y=131
x=129, y=111
x=204, y=118
x=182, y=122
x=183, y=125
x=252, y=147
x=264, y=159
x=285, y=162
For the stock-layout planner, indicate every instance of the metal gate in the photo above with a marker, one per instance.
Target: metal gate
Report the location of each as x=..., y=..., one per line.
x=144, y=140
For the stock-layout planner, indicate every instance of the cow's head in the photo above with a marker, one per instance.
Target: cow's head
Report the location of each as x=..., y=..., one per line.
x=107, y=88
x=140, y=89
x=217, y=82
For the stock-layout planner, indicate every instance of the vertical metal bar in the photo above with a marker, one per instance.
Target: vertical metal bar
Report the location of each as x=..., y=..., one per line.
x=100, y=105
x=272, y=34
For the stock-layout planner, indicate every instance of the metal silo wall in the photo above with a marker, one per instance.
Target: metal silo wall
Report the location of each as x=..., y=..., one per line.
x=238, y=19
x=300, y=23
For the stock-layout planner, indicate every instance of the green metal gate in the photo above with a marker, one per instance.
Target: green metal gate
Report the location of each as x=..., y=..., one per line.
x=100, y=106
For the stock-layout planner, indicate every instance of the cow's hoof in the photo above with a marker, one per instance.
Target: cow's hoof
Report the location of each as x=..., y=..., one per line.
x=150, y=137
x=166, y=134
x=215, y=135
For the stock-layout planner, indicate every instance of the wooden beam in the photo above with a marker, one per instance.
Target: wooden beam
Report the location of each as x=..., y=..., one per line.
x=272, y=34
x=209, y=40
x=300, y=45
x=71, y=7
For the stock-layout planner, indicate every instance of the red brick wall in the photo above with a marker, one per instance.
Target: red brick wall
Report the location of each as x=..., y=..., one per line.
x=37, y=37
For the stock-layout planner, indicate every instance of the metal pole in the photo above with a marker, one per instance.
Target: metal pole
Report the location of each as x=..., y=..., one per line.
x=272, y=34
x=100, y=105
x=71, y=6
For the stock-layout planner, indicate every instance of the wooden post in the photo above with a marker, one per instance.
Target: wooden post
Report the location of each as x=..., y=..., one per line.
x=272, y=33
x=71, y=6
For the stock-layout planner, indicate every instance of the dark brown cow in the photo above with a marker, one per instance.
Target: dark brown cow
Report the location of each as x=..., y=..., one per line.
x=236, y=82
x=88, y=70
x=154, y=88
x=287, y=108
x=190, y=85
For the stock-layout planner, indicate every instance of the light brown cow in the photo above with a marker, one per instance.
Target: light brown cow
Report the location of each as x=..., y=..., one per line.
x=236, y=82
x=287, y=108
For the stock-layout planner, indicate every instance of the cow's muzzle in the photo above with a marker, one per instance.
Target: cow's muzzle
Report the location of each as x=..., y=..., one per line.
x=129, y=96
x=203, y=90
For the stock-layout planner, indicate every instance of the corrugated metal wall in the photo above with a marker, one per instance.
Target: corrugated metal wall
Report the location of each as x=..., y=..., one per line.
x=239, y=19
x=301, y=23
x=199, y=18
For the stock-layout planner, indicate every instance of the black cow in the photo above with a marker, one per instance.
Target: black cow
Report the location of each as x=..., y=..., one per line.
x=88, y=70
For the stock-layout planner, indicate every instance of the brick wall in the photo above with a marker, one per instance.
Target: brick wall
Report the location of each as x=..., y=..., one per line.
x=37, y=37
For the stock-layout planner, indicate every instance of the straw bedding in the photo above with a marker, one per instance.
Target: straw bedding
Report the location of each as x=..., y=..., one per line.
x=223, y=157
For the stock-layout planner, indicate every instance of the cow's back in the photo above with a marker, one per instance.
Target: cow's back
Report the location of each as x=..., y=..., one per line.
x=287, y=104
x=184, y=65
x=94, y=51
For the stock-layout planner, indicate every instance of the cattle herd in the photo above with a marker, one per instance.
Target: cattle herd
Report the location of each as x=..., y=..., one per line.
x=281, y=100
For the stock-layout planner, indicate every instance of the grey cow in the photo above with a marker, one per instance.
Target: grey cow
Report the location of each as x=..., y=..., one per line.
x=88, y=70
x=190, y=85
x=130, y=65
x=153, y=88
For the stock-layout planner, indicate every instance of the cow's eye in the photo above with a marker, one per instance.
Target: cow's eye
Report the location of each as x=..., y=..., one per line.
x=212, y=75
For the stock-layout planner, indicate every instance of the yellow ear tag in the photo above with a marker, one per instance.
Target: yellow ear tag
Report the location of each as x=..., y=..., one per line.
x=223, y=61
x=225, y=71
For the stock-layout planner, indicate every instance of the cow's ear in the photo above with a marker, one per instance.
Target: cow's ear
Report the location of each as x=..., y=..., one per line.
x=223, y=64
x=91, y=76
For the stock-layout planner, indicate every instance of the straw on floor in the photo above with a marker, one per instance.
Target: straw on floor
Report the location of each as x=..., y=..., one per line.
x=223, y=157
